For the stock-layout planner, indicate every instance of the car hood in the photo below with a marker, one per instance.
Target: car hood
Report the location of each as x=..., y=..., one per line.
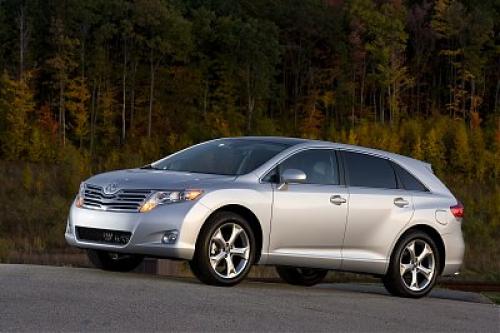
x=157, y=179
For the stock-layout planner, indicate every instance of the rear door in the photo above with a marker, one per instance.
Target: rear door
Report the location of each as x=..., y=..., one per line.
x=378, y=210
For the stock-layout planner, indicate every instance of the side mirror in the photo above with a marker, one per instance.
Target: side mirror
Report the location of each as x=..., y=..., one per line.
x=292, y=176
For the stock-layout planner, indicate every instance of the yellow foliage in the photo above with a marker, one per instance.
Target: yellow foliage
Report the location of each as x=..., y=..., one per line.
x=460, y=154
x=77, y=96
x=417, y=150
x=16, y=102
x=27, y=178
x=352, y=139
x=434, y=150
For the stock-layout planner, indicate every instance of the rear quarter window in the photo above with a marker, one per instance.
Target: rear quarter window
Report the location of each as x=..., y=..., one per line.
x=408, y=181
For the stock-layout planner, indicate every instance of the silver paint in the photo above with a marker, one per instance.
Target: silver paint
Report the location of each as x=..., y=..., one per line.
x=322, y=226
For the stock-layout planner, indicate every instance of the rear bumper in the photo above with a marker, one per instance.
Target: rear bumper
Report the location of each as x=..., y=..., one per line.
x=147, y=229
x=454, y=248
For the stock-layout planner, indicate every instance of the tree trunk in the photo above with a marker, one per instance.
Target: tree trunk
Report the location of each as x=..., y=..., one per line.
x=362, y=92
x=452, y=84
x=353, y=97
x=151, y=92
x=82, y=59
x=205, y=97
x=251, y=101
x=62, y=112
x=472, y=106
x=23, y=36
x=124, y=90
x=389, y=97
x=418, y=97
x=132, y=96
x=382, y=111
x=92, y=112
x=96, y=109
x=497, y=93
x=463, y=108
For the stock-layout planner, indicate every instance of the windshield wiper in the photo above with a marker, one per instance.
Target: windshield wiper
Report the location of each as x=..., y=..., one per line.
x=149, y=166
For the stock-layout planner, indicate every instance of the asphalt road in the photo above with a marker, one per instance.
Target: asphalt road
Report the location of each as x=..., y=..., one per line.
x=43, y=298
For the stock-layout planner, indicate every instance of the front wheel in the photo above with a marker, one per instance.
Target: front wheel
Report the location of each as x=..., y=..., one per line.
x=114, y=261
x=301, y=276
x=225, y=250
x=414, y=266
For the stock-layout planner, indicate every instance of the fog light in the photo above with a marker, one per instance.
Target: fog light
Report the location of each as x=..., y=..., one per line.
x=170, y=237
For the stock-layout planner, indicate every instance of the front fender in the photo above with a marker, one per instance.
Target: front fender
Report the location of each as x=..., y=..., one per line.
x=258, y=202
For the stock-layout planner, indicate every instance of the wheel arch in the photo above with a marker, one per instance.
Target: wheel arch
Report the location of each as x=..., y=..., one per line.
x=252, y=219
x=432, y=233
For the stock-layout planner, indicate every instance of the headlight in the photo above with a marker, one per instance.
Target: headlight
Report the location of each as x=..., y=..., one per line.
x=168, y=197
x=80, y=195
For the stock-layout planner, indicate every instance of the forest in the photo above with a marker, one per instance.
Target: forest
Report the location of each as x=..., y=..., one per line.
x=95, y=85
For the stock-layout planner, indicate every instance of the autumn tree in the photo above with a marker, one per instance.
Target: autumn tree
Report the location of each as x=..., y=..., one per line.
x=16, y=106
x=385, y=39
x=61, y=64
x=76, y=102
x=163, y=33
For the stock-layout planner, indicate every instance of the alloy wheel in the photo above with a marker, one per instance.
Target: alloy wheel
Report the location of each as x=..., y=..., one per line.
x=229, y=250
x=417, y=265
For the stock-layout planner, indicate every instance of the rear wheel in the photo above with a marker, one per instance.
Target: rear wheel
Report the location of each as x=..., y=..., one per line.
x=414, y=266
x=225, y=250
x=114, y=261
x=301, y=276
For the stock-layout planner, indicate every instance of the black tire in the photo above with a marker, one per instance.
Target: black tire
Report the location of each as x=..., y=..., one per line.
x=200, y=264
x=301, y=276
x=110, y=261
x=393, y=281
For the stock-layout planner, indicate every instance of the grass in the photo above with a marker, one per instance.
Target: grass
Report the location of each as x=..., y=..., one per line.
x=494, y=296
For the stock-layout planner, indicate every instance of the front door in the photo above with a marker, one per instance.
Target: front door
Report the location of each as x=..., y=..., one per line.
x=309, y=219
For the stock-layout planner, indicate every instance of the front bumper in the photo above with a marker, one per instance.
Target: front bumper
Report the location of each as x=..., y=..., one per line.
x=147, y=229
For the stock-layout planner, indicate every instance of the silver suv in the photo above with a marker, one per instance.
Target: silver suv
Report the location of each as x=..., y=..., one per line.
x=305, y=206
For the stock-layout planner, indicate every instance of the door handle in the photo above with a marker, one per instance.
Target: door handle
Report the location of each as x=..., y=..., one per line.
x=400, y=202
x=337, y=200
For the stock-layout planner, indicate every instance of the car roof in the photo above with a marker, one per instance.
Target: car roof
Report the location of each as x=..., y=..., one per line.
x=271, y=139
x=320, y=143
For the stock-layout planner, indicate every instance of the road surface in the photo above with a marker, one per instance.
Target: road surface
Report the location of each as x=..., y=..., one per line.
x=55, y=299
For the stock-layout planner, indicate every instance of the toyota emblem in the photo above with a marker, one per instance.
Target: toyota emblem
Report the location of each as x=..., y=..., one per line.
x=111, y=188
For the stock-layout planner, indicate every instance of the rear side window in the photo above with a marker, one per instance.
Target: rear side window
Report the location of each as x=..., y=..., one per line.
x=369, y=171
x=319, y=165
x=408, y=181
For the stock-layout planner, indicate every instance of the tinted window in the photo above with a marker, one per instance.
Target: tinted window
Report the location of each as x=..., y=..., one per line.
x=408, y=181
x=223, y=157
x=369, y=171
x=319, y=165
x=272, y=176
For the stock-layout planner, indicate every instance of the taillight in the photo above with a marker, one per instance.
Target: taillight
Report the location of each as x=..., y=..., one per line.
x=457, y=210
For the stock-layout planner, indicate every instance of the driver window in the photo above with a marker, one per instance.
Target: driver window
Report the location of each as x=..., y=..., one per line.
x=319, y=165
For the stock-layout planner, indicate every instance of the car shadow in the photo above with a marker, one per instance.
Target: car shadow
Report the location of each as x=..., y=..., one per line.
x=378, y=289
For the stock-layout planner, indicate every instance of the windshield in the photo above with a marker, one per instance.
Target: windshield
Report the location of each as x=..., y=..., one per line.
x=222, y=157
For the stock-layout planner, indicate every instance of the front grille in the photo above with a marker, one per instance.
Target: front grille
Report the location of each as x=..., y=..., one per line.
x=125, y=200
x=103, y=235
